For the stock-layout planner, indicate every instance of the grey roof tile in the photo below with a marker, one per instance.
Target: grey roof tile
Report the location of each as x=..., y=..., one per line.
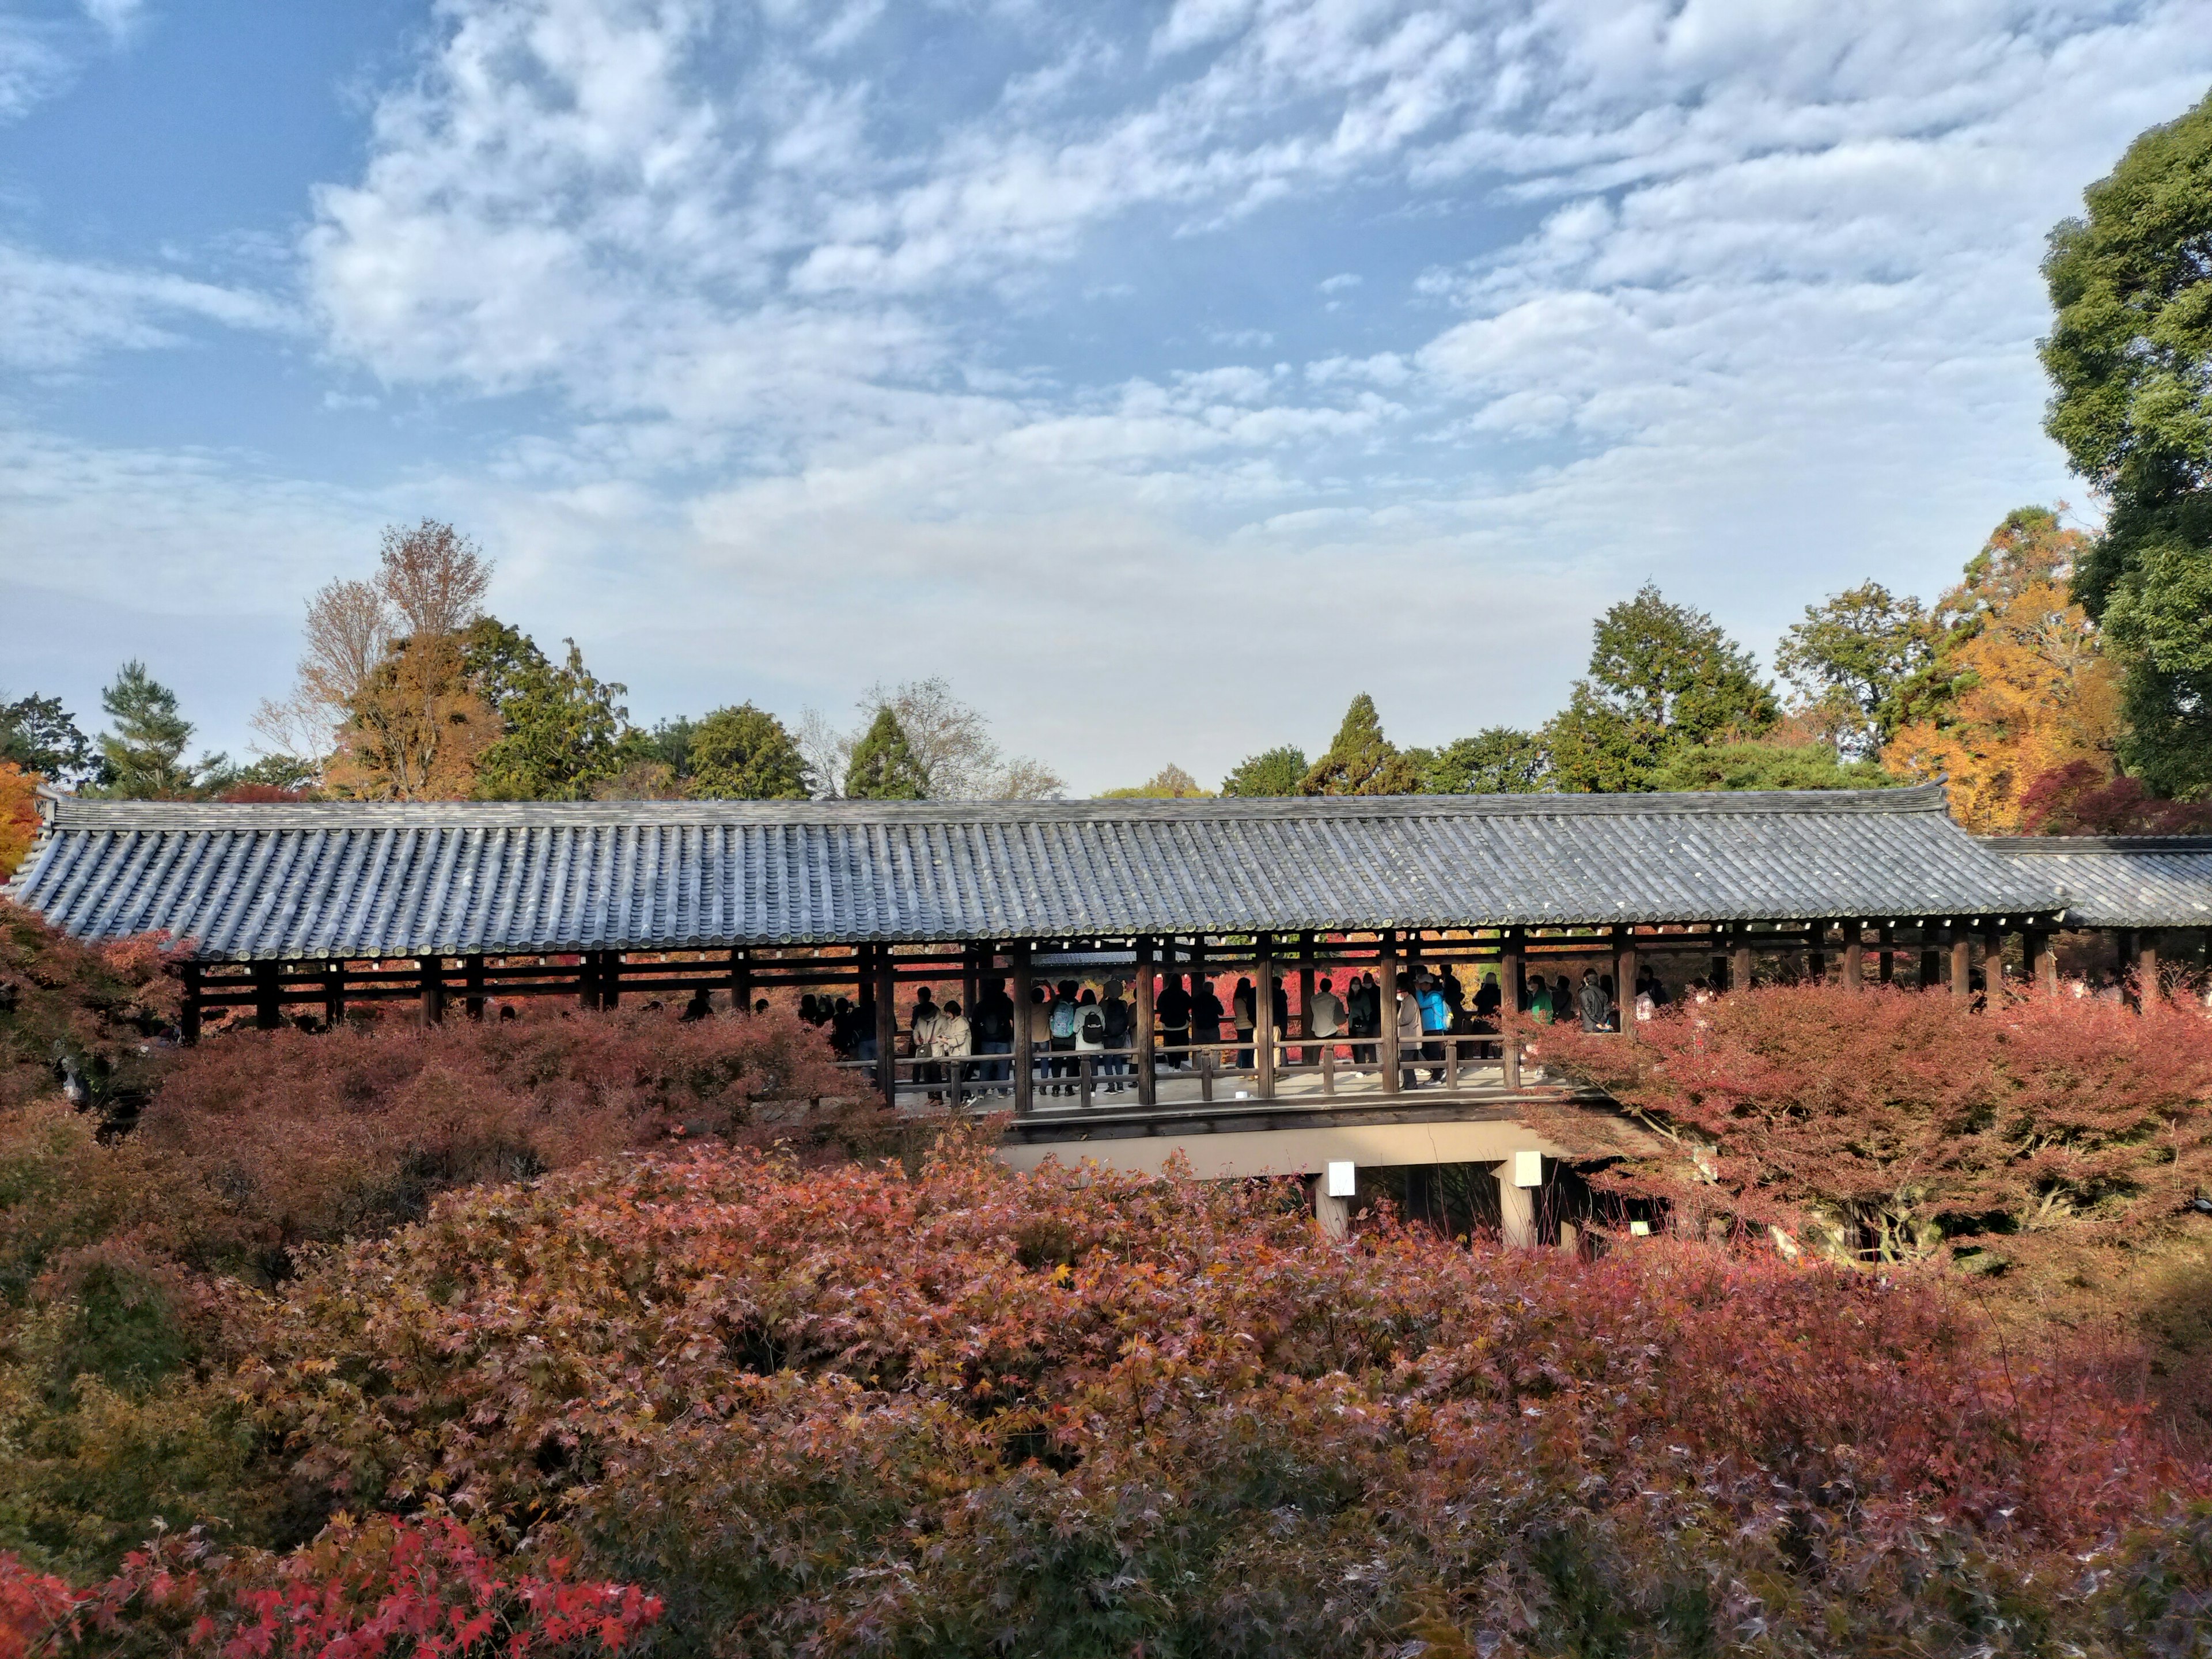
x=2120, y=881
x=305, y=881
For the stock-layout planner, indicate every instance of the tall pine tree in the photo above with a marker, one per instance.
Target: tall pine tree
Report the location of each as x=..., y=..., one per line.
x=883, y=766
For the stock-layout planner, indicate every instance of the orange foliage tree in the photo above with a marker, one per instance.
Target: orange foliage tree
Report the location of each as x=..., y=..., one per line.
x=19, y=815
x=2026, y=688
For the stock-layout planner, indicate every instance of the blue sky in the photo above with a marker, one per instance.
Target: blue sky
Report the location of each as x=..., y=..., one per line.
x=1159, y=374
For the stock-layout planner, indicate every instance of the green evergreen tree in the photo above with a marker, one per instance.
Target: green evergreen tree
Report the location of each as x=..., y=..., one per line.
x=883, y=766
x=39, y=735
x=1754, y=764
x=1498, y=761
x=1856, y=663
x=1661, y=675
x=561, y=730
x=740, y=754
x=142, y=759
x=1272, y=772
x=2129, y=354
x=1362, y=761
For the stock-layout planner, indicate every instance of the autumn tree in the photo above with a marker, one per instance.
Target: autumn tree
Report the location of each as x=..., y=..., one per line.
x=1170, y=782
x=1277, y=771
x=1361, y=761
x=39, y=735
x=2025, y=689
x=1661, y=675
x=744, y=754
x=883, y=766
x=414, y=724
x=1495, y=761
x=19, y=817
x=2129, y=357
x=1851, y=664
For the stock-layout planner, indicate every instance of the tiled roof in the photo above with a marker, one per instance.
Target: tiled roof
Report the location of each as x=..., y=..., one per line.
x=2120, y=881
x=307, y=881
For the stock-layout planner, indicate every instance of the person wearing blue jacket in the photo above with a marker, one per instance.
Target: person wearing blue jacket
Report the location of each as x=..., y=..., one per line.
x=1436, y=1020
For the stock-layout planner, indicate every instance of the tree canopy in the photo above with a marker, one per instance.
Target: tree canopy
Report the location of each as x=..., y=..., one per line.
x=744, y=754
x=142, y=755
x=39, y=735
x=2129, y=357
x=1497, y=761
x=1764, y=763
x=1661, y=675
x=1362, y=761
x=1277, y=771
x=1853, y=663
x=883, y=766
x=1170, y=782
x=562, y=731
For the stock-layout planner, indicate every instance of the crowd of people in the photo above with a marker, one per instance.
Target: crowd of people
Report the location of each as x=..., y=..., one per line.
x=1072, y=1023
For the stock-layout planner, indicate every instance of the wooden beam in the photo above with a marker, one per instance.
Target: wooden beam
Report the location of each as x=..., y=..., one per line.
x=1624, y=977
x=741, y=979
x=2148, y=988
x=1739, y=958
x=434, y=989
x=1512, y=969
x=1962, y=960
x=1263, y=1018
x=1816, y=953
x=473, y=981
x=886, y=1027
x=1146, y=1034
x=1854, y=955
x=1306, y=996
x=1886, y=937
x=268, y=1010
x=334, y=999
x=1017, y=958
x=610, y=978
x=1386, y=1035
x=2042, y=959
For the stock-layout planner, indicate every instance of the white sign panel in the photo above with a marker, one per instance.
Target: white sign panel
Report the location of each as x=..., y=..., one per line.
x=1344, y=1180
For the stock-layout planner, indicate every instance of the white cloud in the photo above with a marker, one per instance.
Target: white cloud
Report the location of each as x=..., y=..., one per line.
x=117, y=17
x=55, y=313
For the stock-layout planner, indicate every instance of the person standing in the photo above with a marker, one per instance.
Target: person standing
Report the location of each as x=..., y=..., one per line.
x=1060, y=1020
x=1121, y=1029
x=1241, y=1004
x=993, y=1023
x=1325, y=1016
x=1436, y=1023
x=1171, y=1010
x=951, y=1041
x=1407, y=1013
x=1278, y=1010
x=1592, y=1003
x=921, y=1034
x=1207, y=1014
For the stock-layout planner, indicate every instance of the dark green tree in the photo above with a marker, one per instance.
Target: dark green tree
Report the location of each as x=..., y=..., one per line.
x=1661, y=675
x=1497, y=761
x=39, y=735
x=671, y=742
x=1362, y=761
x=740, y=754
x=1755, y=764
x=561, y=729
x=1272, y=772
x=501, y=660
x=142, y=758
x=1853, y=663
x=2129, y=357
x=883, y=766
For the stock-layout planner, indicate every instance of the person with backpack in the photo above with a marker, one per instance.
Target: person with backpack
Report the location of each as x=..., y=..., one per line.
x=1121, y=1031
x=1090, y=1036
x=1206, y=1016
x=1436, y=1021
x=1060, y=1022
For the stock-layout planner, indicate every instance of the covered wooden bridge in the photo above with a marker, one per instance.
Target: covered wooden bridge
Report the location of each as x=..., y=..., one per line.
x=315, y=909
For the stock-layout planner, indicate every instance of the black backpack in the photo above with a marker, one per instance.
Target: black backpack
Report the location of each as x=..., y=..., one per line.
x=1094, y=1025
x=1117, y=1021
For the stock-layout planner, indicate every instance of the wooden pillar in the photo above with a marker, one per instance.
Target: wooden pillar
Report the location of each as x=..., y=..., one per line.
x=472, y=976
x=971, y=979
x=587, y=980
x=1816, y=952
x=610, y=967
x=1512, y=971
x=741, y=979
x=2148, y=988
x=188, y=1019
x=1147, y=1031
x=1510, y=1050
x=1624, y=977
x=1931, y=954
x=434, y=989
x=1740, y=957
x=1854, y=955
x=1017, y=959
x=333, y=994
x=1386, y=986
x=268, y=1011
x=1263, y=1018
x=2042, y=960
x=1886, y=940
x=886, y=1027
x=1962, y=960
